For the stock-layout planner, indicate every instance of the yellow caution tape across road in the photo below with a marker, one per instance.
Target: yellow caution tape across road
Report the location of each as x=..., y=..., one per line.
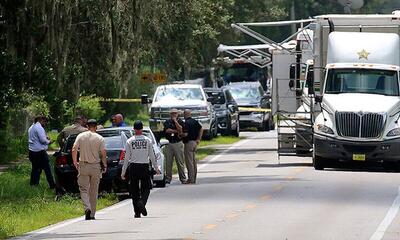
x=253, y=109
x=122, y=100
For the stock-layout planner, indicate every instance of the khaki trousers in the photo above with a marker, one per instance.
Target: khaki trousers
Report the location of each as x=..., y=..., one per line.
x=175, y=150
x=88, y=180
x=190, y=160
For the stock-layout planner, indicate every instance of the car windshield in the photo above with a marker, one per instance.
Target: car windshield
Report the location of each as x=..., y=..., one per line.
x=181, y=94
x=217, y=97
x=370, y=81
x=241, y=72
x=243, y=92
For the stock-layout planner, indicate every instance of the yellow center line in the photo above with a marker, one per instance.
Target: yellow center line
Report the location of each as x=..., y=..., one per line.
x=232, y=215
x=250, y=206
x=290, y=178
x=265, y=197
x=278, y=188
x=210, y=226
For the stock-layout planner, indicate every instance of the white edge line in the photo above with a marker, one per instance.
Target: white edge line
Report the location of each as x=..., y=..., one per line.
x=56, y=226
x=391, y=214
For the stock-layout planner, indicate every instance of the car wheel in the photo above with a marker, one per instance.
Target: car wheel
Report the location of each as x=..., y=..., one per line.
x=227, y=131
x=318, y=162
x=272, y=124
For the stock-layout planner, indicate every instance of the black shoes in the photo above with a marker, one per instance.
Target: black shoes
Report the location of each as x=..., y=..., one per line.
x=137, y=215
x=87, y=214
x=142, y=208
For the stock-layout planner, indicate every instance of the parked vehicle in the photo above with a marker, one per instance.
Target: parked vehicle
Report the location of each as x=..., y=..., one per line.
x=226, y=110
x=115, y=139
x=254, y=105
x=181, y=97
x=360, y=102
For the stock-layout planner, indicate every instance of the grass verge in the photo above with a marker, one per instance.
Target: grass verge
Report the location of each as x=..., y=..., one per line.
x=24, y=208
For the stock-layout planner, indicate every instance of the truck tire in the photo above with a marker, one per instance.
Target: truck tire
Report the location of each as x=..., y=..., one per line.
x=236, y=131
x=318, y=162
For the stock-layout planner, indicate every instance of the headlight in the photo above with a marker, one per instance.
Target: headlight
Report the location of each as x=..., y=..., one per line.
x=324, y=129
x=393, y=132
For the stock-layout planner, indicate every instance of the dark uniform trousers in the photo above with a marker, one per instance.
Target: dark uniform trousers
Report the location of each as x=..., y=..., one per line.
x=139, y=184
x=40, y=161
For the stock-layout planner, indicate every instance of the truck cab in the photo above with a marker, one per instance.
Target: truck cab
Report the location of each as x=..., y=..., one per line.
x=360, y=101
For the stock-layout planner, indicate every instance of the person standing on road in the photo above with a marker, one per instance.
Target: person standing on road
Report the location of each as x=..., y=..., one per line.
x=38, y=144
x=173, y=133
x=89, y=166
x=75, y=128
x=139, y=149
x=193, y=131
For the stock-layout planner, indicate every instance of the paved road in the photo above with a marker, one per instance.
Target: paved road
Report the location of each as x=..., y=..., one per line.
x=244, y=194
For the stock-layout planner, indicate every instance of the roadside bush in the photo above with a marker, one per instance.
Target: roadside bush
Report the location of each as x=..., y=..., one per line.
x=88, y=106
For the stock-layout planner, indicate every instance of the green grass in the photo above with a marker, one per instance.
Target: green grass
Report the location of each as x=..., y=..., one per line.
x=24, y=208
x=220, y=140
x=53, y=137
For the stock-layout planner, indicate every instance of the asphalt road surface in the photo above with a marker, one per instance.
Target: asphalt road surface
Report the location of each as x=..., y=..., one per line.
x=243, y=193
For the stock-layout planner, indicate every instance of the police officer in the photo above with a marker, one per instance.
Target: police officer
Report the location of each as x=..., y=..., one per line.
x=139, y=149
x=193, y=131
x=89, y=167
x=173, y=133
x=75, y=128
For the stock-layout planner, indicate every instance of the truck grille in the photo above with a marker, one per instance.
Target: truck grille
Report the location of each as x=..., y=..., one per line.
x=359, y=125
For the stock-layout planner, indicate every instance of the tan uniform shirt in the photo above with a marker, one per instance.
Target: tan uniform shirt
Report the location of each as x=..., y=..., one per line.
x=67, y=131
x=90, y=145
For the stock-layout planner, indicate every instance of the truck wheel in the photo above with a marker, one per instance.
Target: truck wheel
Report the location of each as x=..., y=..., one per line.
x=318, y=162
x=272, y=124
x=236, y=131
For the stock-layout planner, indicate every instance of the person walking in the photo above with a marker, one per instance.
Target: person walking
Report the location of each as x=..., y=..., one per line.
x=139, y=153
x=173, y=133
x=38, y=143
x=89, y=166
x=75, y=128
x=193, y=131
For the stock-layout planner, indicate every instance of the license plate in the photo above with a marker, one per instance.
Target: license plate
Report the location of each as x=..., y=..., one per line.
x=359, y=157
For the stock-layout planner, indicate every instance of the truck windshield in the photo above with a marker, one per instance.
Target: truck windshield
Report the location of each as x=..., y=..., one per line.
x=370, y=81
x=242, y=72
x=241, y=93
x=181, y=94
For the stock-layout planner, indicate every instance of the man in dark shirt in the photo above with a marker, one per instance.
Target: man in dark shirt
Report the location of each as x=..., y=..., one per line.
x=193, y=131
x=173, y=133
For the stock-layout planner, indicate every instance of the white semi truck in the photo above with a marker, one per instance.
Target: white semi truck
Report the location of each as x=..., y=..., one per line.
x=357, y=61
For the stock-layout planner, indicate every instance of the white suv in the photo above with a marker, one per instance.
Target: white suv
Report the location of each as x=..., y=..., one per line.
x=181, y=97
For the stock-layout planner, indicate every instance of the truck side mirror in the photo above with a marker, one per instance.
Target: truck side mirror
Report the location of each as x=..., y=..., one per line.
x=310, y=83
x=144, y=99
x=318, y=98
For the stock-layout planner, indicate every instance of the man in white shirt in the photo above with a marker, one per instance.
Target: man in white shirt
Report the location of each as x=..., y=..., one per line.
x=139, y=149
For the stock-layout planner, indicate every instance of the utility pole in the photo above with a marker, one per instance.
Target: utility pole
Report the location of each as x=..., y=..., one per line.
x=293, y=17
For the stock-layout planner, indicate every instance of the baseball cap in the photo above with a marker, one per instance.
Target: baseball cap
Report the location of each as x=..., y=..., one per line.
x=92, y=122
x=174, y=110
x=138, y=125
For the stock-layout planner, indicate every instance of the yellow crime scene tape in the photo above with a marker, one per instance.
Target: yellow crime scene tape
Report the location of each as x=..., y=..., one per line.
x=251, y=109
x=122, y=100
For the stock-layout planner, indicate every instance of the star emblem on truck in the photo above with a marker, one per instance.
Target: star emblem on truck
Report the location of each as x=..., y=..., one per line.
x=363, y=54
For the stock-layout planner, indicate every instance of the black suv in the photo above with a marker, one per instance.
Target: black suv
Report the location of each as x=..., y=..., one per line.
x=226, y=110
